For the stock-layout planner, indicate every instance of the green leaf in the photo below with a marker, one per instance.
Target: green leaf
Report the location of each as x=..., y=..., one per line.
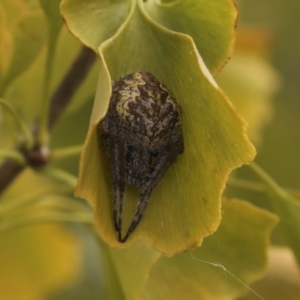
x=55, y=23
x=282, y=280
x=28, y=37
x=14, y=8
x=5, y=46
x=10, y=10
x=211, y=24
x=226, y=264
x=37, y=261
x=132, y=266
x=40, y=259
x=27, y=96
x=185, y=207
x=287, y=207
x=94, y=21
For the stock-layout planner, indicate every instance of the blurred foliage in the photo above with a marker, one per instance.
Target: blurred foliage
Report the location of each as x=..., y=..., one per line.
x=279, y=153
x=209, y=265
x=49, y=245
x=27, y=259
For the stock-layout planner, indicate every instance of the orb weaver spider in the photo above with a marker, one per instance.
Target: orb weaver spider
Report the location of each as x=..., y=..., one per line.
x=143, y=133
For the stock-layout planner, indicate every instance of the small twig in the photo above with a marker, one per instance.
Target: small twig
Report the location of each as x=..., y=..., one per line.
x=60, y=99
x=70, y=83
x=60, y=175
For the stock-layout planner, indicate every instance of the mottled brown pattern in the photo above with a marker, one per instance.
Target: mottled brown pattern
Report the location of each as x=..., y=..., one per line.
x=143, y=131
x=146, y=110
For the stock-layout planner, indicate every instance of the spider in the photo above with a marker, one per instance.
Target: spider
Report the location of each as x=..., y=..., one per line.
x=143, y=133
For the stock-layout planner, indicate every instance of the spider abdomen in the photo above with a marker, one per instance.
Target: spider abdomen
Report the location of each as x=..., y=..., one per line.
x=145, y=110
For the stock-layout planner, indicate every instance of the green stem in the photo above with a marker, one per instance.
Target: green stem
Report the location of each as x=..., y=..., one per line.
x=245, y=184
x=277, y=194
x=21, y=124
x=60, y=100
x=64, y=203
x=32, y=208
x=61, y=153
x=60, y=175
x=47, y=218
x=255, y=186
x=269, y=182
x=13, y=155
x=43, y=133
x=29, y=199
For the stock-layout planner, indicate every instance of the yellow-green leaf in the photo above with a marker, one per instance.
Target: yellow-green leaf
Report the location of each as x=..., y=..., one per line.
x=55, y=23
x=10, y=10
x=14, y=8
x=94, y=21
x=28, y=37
x=132, y=266
x=37, y=257
x=226, y=264
x=36, y=261
x=27, y=96
x=211, y=24
x=282, y=280
x=26, y=30
x=185, y=206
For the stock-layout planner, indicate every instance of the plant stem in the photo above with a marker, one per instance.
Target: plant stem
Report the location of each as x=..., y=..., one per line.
x=67, y=88
x=246, y=184
x=255, y=186
x=60, y=99
x=278, y=195
x=48, y=218
x=269, y=181
x=60, y=175
x=42, y=134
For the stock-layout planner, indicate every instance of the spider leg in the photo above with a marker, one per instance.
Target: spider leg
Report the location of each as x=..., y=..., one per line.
x=116, y=144
x=163, y=161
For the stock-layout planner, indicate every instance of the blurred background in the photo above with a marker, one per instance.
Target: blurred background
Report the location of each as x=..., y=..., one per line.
x=279, y=152
x=262, y=80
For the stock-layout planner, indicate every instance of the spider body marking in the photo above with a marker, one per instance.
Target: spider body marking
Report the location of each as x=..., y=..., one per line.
x=143, y=132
